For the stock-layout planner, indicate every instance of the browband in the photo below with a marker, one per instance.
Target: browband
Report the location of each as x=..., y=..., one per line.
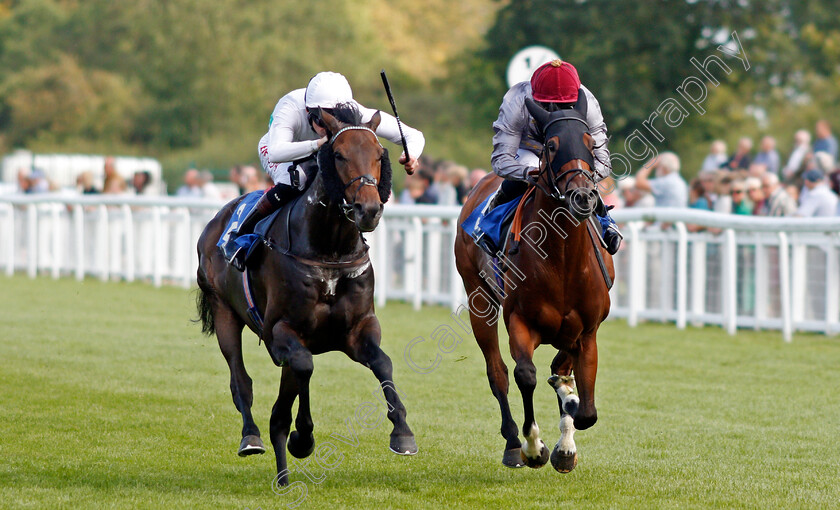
x=348, y=128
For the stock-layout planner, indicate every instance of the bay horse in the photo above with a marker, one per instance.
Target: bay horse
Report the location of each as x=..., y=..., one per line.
x=552, y=289
x=314, y=288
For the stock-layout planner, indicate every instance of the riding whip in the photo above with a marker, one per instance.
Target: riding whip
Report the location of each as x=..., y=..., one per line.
x=397, y=115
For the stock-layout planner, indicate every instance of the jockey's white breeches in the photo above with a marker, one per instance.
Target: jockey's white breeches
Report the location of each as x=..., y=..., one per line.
x=279, y=172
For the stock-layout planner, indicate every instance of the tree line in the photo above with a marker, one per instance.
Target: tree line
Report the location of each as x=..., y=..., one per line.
x=192, y=81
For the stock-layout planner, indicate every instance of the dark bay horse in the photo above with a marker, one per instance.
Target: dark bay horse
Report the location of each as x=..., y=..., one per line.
x=552, y=289
x=314, y=286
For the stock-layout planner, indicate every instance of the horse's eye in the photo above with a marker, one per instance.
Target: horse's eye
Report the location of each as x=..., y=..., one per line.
x=339, y=157
x=550, y=146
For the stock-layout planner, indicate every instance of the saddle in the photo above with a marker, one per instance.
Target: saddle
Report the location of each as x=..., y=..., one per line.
x=250, y=242
x=489, y=230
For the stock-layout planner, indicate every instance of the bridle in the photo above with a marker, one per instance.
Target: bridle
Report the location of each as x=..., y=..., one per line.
x=364, y=180
x=554, y=192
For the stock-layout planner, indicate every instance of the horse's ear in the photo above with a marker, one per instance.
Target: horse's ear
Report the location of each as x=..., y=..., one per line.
x=330, y=122
x=374, y=121
x=537, y=112
x=582, y=105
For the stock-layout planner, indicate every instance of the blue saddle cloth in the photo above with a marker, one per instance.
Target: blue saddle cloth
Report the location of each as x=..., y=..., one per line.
x=493, y=224
x=247, y=241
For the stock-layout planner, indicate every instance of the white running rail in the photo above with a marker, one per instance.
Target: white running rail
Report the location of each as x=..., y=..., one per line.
x=741, y=272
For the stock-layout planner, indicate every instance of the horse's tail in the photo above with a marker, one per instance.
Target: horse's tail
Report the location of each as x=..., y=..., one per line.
x=203, y=301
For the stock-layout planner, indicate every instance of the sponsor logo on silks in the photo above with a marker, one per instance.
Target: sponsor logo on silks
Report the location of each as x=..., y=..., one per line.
x=270, y=120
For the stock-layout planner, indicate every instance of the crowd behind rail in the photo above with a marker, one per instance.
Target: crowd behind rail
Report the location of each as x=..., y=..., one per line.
x=805, y=183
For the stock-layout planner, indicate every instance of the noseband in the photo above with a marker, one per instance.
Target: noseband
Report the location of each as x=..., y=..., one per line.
x=569, y=174
x=364, y=180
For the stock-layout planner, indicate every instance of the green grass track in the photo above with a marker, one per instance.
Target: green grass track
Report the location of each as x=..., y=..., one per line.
x=111, y=398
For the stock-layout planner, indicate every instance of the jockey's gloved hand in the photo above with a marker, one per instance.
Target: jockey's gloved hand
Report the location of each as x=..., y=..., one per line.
x=532, y=176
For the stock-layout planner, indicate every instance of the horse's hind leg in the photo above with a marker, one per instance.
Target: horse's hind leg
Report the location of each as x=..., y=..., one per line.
x=486, y=333
x=523, y=341
x=367, y=352
x=229, y=333
x=564, y=455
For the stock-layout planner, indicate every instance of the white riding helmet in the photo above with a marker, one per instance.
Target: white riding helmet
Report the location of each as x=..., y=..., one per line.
x=327, y=89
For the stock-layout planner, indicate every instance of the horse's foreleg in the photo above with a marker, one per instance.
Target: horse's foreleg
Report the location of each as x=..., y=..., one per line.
x=229, y=334
x=564, y=455
x=286, y=348
x=487, y=335
x=522, y=343
x=281, y=421
x=585, y=368
x=367, y=352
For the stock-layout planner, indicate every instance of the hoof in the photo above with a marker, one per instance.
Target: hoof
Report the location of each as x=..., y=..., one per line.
x=299, y=446
x=513, y=458
x=403, y=445
x=563, y=462
x=584, y=422
x=540, y=461
x=251, y=445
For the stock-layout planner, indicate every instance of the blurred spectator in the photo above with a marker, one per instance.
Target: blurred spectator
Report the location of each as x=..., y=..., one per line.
x=768, y=156
x=114, y=183
x=441, y=185
x=84, y=183
x=757, y=169
x=778, y=202
x=796, y=162
x=632, y=196
x=208, y=187
x=33, y=182
x=723, y=189
x=140, y=182
x=458, y=175
x=235, y=175
x=250, y=179
x=609, y=192
x=740, y=203
x=823, y=162
x=716, y=157
x=192, y=184
x=816, y=198
x=114, y=187
x=668, y=188
x=755, y=194
x=709, y=182
x=417, y=189
x=825, y=141
x=476, y=176
x=741, y=160
x=697, y=198
x=793, y=192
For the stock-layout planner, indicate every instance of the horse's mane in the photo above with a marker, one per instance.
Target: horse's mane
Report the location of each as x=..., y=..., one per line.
x=349, y=114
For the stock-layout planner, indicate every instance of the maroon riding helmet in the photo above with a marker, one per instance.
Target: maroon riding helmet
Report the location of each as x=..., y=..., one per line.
x=555, y=82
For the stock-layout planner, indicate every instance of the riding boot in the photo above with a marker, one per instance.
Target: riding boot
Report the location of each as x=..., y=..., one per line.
x=611, y=235
x=271, y=200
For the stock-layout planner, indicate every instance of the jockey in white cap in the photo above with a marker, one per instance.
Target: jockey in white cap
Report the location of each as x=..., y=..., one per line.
x=296, y=133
